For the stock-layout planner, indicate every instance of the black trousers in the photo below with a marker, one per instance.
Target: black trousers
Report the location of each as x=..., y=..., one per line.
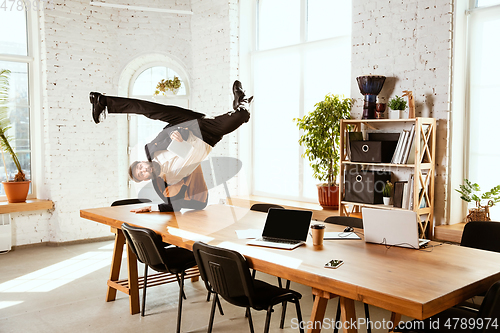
x=212, y=129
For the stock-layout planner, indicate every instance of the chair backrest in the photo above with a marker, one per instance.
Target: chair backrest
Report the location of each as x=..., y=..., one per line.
x=482, y=235
x=129, y=202
x=490, y=308
x=264, y=207
x=226, y=271
x=348, y=221
x=146, y=245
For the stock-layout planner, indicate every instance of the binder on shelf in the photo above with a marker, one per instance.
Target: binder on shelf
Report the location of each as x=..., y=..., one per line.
x=398, y=148
x=399, y=187
x=409, y=144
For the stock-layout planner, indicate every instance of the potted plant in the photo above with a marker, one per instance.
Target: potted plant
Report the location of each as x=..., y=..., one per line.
x=321, y=139
x=166, y=87
x=387, y=193
x=397, y=105
x=471, y=192
x=17, y=189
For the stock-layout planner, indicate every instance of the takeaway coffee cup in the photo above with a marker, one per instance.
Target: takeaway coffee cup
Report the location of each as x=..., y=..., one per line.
x=318, y=232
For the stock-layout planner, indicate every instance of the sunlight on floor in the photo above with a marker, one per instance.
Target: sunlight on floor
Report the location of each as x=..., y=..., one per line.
x=6, y=304
x=54, y=276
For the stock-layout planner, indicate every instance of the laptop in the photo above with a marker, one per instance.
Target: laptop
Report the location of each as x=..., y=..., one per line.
x=284, y=229
x=392, y=227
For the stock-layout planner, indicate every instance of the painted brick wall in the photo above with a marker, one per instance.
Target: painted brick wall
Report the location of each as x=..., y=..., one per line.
x=85, y=48
x=215, y=67
x=410, y=43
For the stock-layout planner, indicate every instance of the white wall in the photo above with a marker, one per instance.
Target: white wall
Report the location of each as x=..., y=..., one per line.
x=409, y=42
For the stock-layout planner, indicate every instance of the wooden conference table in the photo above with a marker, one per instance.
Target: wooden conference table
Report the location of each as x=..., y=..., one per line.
x=407, y=282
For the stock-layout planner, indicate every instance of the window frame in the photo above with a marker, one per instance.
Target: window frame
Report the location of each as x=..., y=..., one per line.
x=32, y=59
x=249, y=12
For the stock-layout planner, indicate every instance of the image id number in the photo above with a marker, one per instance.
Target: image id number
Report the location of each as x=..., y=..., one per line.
x=21, y=5
x=471, y=323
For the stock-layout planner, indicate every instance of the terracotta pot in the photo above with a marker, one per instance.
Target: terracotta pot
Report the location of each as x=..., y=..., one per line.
x=328, y=196
x=16, y=191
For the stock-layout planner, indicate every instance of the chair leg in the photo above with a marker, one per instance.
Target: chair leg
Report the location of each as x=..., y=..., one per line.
x=283, y=307
x=279, y=283
x=179, y=282
x=144, y=289
x=367, y=315
x=208, y=296
x=253, y=274
x=337, y=318
x=212, y=314
x=299, y=315
x=250, y=321
x=181, y=294
x=268, y=319
x=220, y=306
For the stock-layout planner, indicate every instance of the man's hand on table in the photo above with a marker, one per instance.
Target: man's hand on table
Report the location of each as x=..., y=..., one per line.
x=146, y=209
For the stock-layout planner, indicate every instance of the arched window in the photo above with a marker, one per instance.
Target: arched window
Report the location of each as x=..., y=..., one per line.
x=143, y=75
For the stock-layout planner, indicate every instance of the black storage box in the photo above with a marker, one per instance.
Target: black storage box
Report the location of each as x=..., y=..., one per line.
x=365, y=186
x=372, y=151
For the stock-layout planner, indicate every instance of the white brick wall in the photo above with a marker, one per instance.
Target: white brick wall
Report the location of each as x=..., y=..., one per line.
x=409, y=42
x=85, y=49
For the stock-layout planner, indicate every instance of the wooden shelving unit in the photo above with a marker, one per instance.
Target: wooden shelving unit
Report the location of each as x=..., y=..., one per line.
x=423, y=169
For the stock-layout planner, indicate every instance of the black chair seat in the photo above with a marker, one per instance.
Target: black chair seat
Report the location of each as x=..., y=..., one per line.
x=266, y=294
x=177, y=260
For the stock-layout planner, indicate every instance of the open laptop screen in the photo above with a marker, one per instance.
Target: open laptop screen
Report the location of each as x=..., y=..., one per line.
x=287, y=223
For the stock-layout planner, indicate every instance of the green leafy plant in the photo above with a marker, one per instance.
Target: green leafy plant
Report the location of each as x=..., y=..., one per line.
x=471, y=192
x=397, y=103
x=165, y=85
x=321, y=136
x=387, y=191
x=5, y=126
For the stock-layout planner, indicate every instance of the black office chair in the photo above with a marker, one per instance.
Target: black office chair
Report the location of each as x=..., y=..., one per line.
x=489, y=312
x=482, y=235
x=264, y=208
x=347, y=221
x=129, y=202
x=151, y=251
x=354, y=222
x=226, y=272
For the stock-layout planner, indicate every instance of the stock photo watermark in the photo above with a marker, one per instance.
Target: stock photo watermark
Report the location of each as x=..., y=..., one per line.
x=451, y=324
x=22, y=5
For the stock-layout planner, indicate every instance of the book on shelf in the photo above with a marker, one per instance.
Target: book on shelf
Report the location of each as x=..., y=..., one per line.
x=409, y=194
x=409, y=143
x=397, y=153
x=399, y=188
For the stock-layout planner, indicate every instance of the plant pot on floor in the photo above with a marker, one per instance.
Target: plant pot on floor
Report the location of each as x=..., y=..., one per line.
x=328, y=196
x=16, y=191
x=387, y=201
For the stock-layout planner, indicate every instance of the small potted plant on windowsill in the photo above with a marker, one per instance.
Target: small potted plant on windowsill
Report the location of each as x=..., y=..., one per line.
x=397, y=106
x=321, y=139
x=471, y=192
x=168, y=87
x=387, y=193
x=17, y=189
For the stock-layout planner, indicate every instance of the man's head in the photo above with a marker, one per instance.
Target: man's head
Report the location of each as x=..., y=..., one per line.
x=140, y=171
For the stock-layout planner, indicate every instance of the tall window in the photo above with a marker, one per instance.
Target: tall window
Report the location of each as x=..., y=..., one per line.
x=16, y=55
x=302, y=52
x=141, y=129
x=484, y=112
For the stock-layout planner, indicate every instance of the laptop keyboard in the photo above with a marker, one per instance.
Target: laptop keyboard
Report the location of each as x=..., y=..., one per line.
x=278, y=240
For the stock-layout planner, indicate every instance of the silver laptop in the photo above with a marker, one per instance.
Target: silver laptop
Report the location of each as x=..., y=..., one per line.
x=284, y=229
x=392, y=227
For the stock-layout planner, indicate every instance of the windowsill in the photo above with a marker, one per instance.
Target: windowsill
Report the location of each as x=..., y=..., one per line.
x=29, y=205
x=319, y=213
x=449, y=233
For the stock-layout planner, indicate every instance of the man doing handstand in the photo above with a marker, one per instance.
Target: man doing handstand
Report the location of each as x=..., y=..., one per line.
x=177, y=180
